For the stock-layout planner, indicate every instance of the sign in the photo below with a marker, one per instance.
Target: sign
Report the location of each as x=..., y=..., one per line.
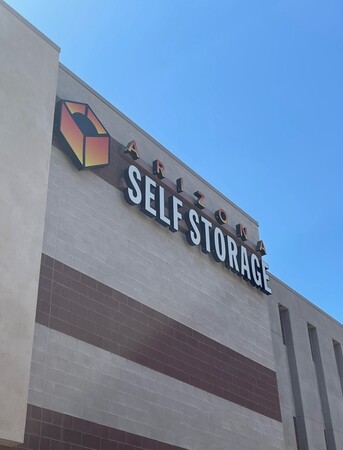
x=87, y=142
x=154, y=202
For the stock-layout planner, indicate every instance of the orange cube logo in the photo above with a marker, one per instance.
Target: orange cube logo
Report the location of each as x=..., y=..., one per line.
x=83, y=136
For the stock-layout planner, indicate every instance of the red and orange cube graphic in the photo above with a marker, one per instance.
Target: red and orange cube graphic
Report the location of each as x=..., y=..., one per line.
x=82, y=134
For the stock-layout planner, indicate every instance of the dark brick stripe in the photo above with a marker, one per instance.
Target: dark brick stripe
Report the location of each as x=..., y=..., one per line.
x=77, y=305
x=51, y=430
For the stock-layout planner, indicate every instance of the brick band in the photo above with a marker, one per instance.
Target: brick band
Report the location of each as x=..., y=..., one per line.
x=81, y=307
x=51, y=430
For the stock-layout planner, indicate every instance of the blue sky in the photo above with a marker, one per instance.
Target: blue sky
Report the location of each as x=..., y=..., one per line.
x=248, y=93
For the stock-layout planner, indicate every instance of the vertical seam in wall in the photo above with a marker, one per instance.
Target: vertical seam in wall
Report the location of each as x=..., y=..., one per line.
x=294, y=376
x=322, y=390
x=337, y=348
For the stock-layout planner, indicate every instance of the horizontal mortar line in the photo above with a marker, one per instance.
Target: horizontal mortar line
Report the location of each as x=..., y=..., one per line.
x=150, y=339
x=46, y=427
x=150, y=138
x=113, y=174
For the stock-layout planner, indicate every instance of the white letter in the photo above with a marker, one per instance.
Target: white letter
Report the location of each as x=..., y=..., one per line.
x=132, y=194
x=255, y=270
x=148, y=196
x=219, y=253
x=231, y=260
x=193, y=234
x=245, y=269
x=205, y=235
x=161, y=217
x=266, y=289
x=174, y=214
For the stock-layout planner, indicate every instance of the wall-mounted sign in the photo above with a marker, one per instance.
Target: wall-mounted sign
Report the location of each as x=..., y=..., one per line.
x=166, y=209
x=83, y=136
x=87, y=142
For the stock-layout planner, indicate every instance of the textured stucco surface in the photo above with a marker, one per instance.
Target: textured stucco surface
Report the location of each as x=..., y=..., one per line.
x=301, y=312
x=28, y=74
x=91, y=228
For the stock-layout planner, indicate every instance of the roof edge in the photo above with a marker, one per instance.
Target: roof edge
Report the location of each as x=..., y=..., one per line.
x=305, y=299
x=29, y=25
x=154, y=141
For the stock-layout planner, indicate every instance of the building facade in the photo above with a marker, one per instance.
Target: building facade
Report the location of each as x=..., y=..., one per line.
x=137, y=307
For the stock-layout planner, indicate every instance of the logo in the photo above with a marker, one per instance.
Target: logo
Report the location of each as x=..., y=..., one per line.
x=83, y=136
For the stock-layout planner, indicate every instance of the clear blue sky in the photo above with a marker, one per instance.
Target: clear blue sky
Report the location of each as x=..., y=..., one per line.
x=248, y=93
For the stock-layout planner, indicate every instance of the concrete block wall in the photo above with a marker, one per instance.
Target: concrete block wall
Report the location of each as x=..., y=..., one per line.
x=70, y=87
x=122, y=248
x=92, y=230
x=84, y=308
x=81, y=380
x=315, y=413
x=141, y=341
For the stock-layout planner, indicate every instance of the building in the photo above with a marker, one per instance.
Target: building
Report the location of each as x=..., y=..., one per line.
x=135, y=311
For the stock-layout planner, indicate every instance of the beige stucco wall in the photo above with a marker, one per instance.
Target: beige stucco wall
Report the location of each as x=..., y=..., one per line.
x=315, y=414
x=28, y=74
